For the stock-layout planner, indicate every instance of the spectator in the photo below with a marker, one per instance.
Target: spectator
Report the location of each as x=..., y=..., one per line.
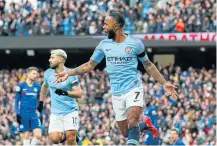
x=151, y=26
x=180, y=25
x=166, y=24
x=93, y=28
x=190, y=25
x=213, y=24
x=197, y=23
x=205, y=25
x=159, y=24
x=139, y=27
x=175, y=138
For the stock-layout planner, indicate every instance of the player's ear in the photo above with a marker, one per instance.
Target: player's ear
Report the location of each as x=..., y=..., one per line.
x=62, y=60
x=59, y=59
x=116, y=26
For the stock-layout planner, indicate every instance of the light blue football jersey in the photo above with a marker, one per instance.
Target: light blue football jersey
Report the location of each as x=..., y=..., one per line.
x=121, y=62
x=61, y=105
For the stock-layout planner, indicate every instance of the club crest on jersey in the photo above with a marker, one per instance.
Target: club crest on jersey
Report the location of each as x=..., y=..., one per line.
x=35, y=89
x=21, y=126
x=18, y=89
x=129, y=50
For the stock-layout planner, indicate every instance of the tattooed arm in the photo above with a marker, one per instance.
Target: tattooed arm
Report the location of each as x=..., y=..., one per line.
x=84, y=68
x=153, y=71
x=96, y=58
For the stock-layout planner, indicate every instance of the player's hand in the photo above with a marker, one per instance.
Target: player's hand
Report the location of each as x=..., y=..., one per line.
x=61, y=92
x=19, y=118
x=61, y=77
x=40, y=106
x=170, y=90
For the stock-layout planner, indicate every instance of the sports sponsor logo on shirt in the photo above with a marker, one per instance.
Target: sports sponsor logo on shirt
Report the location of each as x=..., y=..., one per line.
x=32, y=94
x=119, y=60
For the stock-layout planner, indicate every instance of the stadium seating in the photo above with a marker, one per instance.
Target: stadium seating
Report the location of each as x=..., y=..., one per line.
x=72, y=17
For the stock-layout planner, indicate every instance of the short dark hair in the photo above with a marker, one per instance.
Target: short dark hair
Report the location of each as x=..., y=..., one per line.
x=31, y=69
x=119, y=18
x=175, y=131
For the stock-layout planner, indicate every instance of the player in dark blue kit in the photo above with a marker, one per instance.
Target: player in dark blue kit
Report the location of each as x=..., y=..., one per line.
x=26, y=102
x=151, y=118
x=122, y=53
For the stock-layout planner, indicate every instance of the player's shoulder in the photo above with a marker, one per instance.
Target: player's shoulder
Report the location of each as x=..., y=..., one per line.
x=134, y=39
x=36, y=84
x=20, y=86
x=71, y=77
x=48, y=71
x=135, y=42
x=152, y=107
x=105, y=42
x=179, y=142
x=67, y=69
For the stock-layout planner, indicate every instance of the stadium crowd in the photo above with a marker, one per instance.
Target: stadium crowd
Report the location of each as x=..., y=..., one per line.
x=82, y=17
x=192, y=114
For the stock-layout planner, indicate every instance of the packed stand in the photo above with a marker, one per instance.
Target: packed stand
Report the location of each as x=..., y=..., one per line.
x=192, y=114
x=73, y=17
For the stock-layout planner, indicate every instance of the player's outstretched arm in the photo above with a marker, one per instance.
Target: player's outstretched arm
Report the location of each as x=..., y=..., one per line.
x=154, y=72
x=84, y=68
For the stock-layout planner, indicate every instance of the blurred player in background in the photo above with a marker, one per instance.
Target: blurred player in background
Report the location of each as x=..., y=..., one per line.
x=64, y=108
x=150, y=117
x=27, y=95
x=176, y=140
x=122, y=53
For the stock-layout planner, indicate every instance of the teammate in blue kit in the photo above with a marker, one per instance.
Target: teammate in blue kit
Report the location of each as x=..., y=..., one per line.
x=122, y=53
x=27, y=96
x=151, y=118
x=64, y=108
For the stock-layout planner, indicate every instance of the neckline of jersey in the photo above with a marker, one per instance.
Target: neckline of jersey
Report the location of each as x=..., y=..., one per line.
x=64, y=69
x=30, y=85
x=123, y=41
